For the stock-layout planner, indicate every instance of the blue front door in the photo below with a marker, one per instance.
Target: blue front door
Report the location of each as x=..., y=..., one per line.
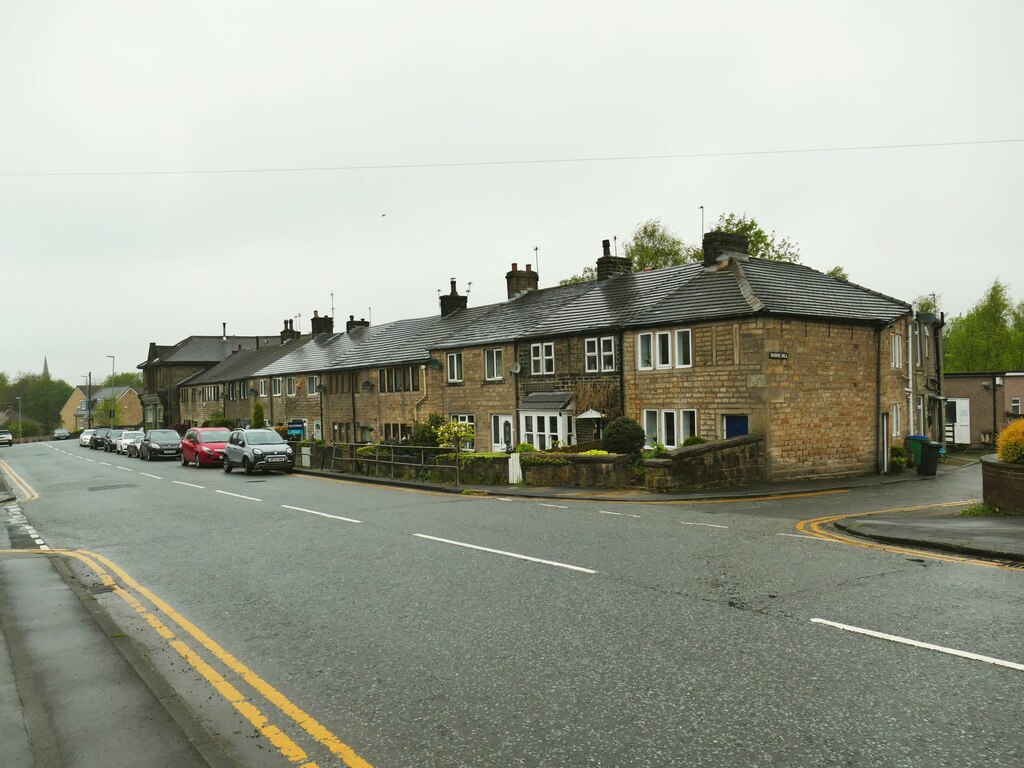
x=736, y=425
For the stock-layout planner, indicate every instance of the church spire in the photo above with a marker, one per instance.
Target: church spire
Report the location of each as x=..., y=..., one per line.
x=46, y=368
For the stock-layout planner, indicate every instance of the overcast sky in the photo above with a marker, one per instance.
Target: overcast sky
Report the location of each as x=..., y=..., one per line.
x=462, y=135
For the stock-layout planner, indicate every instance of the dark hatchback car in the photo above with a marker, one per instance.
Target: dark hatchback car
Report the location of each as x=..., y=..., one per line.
x=110, y=441
x=99, y=438
x=160, y=444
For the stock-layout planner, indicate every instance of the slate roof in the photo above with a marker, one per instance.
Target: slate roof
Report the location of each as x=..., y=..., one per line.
x=210, y=349
x=758, y=286
x=737, y=287
x=104, y=393
x=241, y=364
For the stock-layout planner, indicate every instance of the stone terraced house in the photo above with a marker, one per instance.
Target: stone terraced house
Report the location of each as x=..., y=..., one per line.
x=829, y=373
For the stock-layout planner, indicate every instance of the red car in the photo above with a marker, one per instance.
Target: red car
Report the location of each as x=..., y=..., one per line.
x=204, y=446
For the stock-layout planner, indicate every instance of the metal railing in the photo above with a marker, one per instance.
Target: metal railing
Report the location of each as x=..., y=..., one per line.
x=397, y=462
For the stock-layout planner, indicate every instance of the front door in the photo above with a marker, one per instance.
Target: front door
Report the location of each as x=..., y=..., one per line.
x=958, y=420
x=735, y=425
x=502, y=438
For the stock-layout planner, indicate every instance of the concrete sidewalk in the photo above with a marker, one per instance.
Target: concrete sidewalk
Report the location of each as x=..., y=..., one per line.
x=74, y=691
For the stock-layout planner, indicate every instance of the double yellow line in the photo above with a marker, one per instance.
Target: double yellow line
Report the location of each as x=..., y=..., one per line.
x=125, y=587
x=817, y=527
x=26, y=491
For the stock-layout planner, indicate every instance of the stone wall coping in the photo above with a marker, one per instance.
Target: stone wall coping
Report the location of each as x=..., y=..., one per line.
x=993, y=458
x=713, y=445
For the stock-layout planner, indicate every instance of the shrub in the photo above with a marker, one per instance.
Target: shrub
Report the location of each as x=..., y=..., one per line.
x=656, y=451
x=693, y=440
x=257, y=417
x=525, y=448
x=897, y=459
x=624, y=435
x=1010, y=443
x=454, y=434
x=594, y=452
x=425, y=432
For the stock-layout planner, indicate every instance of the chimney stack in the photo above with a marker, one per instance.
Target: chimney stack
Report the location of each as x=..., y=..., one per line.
x=352, y=323
x=224, y=331
x=520, y=281
x=453, y=302
x=609, y=266
x=718, y=244
x=319, y=325
x=289, y=331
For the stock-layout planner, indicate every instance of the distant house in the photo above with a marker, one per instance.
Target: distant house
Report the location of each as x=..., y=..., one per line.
x=96, y=411
x=980, y=405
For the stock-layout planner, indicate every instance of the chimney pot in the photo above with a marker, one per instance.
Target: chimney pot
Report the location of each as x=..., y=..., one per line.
x=606, y=247
x=529, y=268
x=316, y=313
x=515, y=266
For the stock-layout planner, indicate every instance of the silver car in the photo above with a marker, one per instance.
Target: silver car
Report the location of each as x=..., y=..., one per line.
x=257, y=450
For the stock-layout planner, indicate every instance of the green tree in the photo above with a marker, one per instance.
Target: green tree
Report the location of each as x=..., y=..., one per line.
x=125, y=379
x=990, y=337
x=41, y=399
x=258, y=421
x=839, y=273
x=455, y=434
x=929, y=302
x=652, y=246
x=104, y=414
x=425, y=432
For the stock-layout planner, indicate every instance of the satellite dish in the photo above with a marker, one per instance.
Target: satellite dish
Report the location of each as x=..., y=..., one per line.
x=516, y=368
x=434, y=364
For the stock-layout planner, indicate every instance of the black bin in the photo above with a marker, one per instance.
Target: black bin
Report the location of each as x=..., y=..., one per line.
x=929, y=458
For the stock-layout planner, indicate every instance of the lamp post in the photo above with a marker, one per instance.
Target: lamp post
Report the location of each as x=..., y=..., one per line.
x=320, y=390
x=111, y=391
x=21, y=427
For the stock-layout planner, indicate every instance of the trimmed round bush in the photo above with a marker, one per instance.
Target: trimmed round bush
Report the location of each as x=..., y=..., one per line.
x=693, y=440
x=624, y=435
x=1010, y=444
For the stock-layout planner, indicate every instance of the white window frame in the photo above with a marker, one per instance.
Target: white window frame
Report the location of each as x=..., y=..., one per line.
x=895, y=350
x=680, y=334
x=535, y=428
x=312, y=382
x=542, y=358
x=667, y=418
x=276, y=386
x=608, y=358
x=687, y=418
x=289, y=386
x=645, y=339
x=1015, y=405
x=263, y=387
x=896, y=417
x=651, y=426
x=927, y=341
x=661, y=336
x=591, y=355
x=494, y=361
x=455, y=373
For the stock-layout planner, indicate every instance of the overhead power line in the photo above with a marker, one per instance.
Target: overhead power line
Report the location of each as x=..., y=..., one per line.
x=549, y=161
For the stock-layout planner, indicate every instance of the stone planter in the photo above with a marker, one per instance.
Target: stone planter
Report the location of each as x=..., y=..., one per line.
x=1002, y=485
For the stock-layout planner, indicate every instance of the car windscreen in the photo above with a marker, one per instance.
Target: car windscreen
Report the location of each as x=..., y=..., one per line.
x=263, y=438
x=220, y=436
x=164, y=436
x=130, y=435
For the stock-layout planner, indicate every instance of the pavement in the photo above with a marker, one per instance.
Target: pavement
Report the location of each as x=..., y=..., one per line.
x=75, y=692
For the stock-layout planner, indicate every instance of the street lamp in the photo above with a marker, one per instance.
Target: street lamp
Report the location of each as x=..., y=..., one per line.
x=111, y=391
x=320, y=390
x=21, y=427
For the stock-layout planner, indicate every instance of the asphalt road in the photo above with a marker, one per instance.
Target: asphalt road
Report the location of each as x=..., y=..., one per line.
x=637, y=635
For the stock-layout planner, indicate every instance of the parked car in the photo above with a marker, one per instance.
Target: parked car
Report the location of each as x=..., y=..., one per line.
x=99, y=438
x=133, y=446
x=204, y=445
x=6, y=438
x=110, y=441
x=257, y=450
x=86, y=437
x=126, y=438
x=61, y=434
x=160, y=444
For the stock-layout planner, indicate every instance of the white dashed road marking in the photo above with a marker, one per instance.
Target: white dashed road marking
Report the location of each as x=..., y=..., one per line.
x=555, y=506
x=706, y=525
x=322, y=514
x=919, y=644
x=506, y=554
x=146, y=474
x=800, y=536
x=228, y=493
x=190, y=485
x=620, y=514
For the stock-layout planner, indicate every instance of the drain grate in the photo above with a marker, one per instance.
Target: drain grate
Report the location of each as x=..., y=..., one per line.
x=112, y=487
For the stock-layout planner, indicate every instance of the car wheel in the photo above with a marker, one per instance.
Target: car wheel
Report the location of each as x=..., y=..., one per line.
x=246, y=466
x=195, y=462
x=183, y=462
x=227, y=465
